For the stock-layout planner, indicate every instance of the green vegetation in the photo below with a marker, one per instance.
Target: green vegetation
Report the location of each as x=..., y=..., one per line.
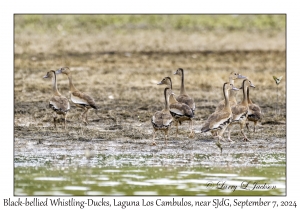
x=93, y=23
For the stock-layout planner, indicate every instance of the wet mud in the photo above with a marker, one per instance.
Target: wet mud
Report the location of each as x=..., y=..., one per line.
x=125, y=88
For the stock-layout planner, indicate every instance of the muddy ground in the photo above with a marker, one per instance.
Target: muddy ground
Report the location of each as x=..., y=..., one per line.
x=123, y=84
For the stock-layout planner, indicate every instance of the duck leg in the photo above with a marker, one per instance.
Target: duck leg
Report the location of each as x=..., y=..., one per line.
x=192, y=134
x=176, y=128
x=54, y=119
x=247, y=125
x=219, y=138
x=229, y=132
x=86, y=119
x=254, y=130
x=219, y=145
x=65, y=116
x=153, y=142
x=242, y=131
x=166, y=137
x=84, y=116
x=220, y=134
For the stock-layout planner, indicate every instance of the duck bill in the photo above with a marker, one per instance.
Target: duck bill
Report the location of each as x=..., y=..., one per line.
x=236, y=89
x=58, y=71
x=241, y=76
x=159, y=83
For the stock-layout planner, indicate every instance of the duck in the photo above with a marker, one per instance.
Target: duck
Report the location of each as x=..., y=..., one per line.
x=232, y=93
x=218, y=121
x=79, y=98
x=240, y=111
x=168, y=81
x=162, y=120
x=181, y=112
x=58, y=103
x=254, y=114
x=183, y=96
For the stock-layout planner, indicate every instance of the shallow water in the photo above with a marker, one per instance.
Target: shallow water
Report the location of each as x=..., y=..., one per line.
x=149, y=174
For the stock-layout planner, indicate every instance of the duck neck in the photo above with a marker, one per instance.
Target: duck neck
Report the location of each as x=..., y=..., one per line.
x=232, y=94
x=166, y=101
x=248, y=98
x=54, y=85
x=225, y=92
x=182, y=90
x=170, y=83
x=245, y=101
x=71, y=86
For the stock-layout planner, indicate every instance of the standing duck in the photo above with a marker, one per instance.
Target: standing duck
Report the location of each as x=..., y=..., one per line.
x=232, y=93
x=162, y=120
x=181, y=112
x=254, y=114
x=80, y=99
x=240, y=111
x=59, y=103
x=218, y=121
x=183, y=96
x=167, y=81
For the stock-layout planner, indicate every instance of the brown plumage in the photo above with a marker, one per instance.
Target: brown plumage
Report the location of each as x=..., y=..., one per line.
x=232, y=93
x=80, y=99
x=166, y=81
x=240, y=111
x=183, y=96
x=218, y=121
x=162, y=120
x=60, y=104
x=181, y=112
x=254, y=114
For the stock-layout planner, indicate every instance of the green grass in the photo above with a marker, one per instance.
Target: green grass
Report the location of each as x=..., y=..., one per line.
x=93, y=23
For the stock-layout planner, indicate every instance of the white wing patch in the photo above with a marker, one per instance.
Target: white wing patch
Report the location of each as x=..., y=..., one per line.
x=78, y=100
x=218, y=123
x=176, y=111
x=237, y=117
x=54, y=104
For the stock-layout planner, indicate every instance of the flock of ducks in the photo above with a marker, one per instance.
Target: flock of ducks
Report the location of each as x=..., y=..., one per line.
x=227, y=114
x=176, y=109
